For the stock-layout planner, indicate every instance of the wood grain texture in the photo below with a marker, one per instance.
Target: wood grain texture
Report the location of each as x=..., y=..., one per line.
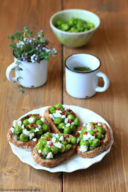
x=14, y=15
x=110, y=44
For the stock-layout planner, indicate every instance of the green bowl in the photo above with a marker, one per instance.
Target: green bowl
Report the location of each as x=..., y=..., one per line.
x=74, y=39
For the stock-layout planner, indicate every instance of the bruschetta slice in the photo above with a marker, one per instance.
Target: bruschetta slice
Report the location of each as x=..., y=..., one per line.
x=26, y=131
x=54, y=148
x=95, y=137
x=62, y=120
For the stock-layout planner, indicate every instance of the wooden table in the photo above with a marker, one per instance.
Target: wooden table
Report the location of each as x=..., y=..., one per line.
x=110, y=44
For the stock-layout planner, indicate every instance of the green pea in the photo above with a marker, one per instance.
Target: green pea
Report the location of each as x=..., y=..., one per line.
x=91, y=123
x=32, y=131
x=57, y=120
x=40, y=132
x=73, y=127
x=83, y=142
x=68, y=146
x=25, y=122
x=90, y=141
x=39, y=122
x=35, y=118
x=91, y=132
x=47, y=135
x=64, y=27
x=70, y=117
x=61, y=125
x=59, y=106
x=64, y=142
x=43, y=141
x=59, y=22
x=99, y=135
x=100, y=129
x=52, y=110
x=62, y=150
x=95, y=143
x=39, y=146
x=46, y=150
x=68, y=139
x=17, y=130
x=76, y=121
x=45, y=127
x=54, y=149
x=73, y=140
x=23, y=137
x=67, y=130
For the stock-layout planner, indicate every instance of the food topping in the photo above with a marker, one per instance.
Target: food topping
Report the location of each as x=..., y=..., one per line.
x=74, y=25
x=56, y=145
x=91, y=136
x=30, y=128
x=64, y=119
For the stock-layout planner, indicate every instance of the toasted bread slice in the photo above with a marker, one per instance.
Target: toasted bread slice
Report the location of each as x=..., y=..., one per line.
x=52, y=162
x=54, y=128
x=12, y=138
x=105, y=144
x=56, y=159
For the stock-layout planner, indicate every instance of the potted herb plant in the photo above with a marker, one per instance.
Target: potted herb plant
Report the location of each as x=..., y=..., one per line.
x=30, y=59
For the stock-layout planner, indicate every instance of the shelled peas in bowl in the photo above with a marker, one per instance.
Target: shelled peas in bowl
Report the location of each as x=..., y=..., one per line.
x=74, y=27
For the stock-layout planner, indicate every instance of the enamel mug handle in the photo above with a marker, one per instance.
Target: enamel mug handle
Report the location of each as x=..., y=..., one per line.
x=106, y=82
x=8, y=72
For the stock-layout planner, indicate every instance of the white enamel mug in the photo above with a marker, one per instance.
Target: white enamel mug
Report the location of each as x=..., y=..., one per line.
x=28, y=74
x=84, y=84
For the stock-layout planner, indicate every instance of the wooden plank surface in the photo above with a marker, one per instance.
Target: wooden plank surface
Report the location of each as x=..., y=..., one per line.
x=14, y=15
x=110, y=44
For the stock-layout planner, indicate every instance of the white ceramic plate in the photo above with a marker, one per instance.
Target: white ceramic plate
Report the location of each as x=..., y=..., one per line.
x=75, y=162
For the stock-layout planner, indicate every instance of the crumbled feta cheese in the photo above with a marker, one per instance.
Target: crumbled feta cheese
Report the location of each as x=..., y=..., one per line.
x=39, y=126
x=83, y=148
x=51, y=116
x=14, y=137
x=37, y=129
x=22, y=126
x=88, y=127
x=58, y=145
x=61, y=138
x=84, y=124
x=39, y=151
x=63, y=116
x=34, y=139
x=19, y=123
x=56, y=135
x=53, y=139
x=49, y=155
x=66, y=121
x=26, y=132
x=79, y=131
x=78, y=140
x=72, y=123
x=31, y=120
x=68, y=124
x=14, y=123
x=42, y=119
x=31, y=135
x=99, y=124
x=12, y=130
x=88, y=136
